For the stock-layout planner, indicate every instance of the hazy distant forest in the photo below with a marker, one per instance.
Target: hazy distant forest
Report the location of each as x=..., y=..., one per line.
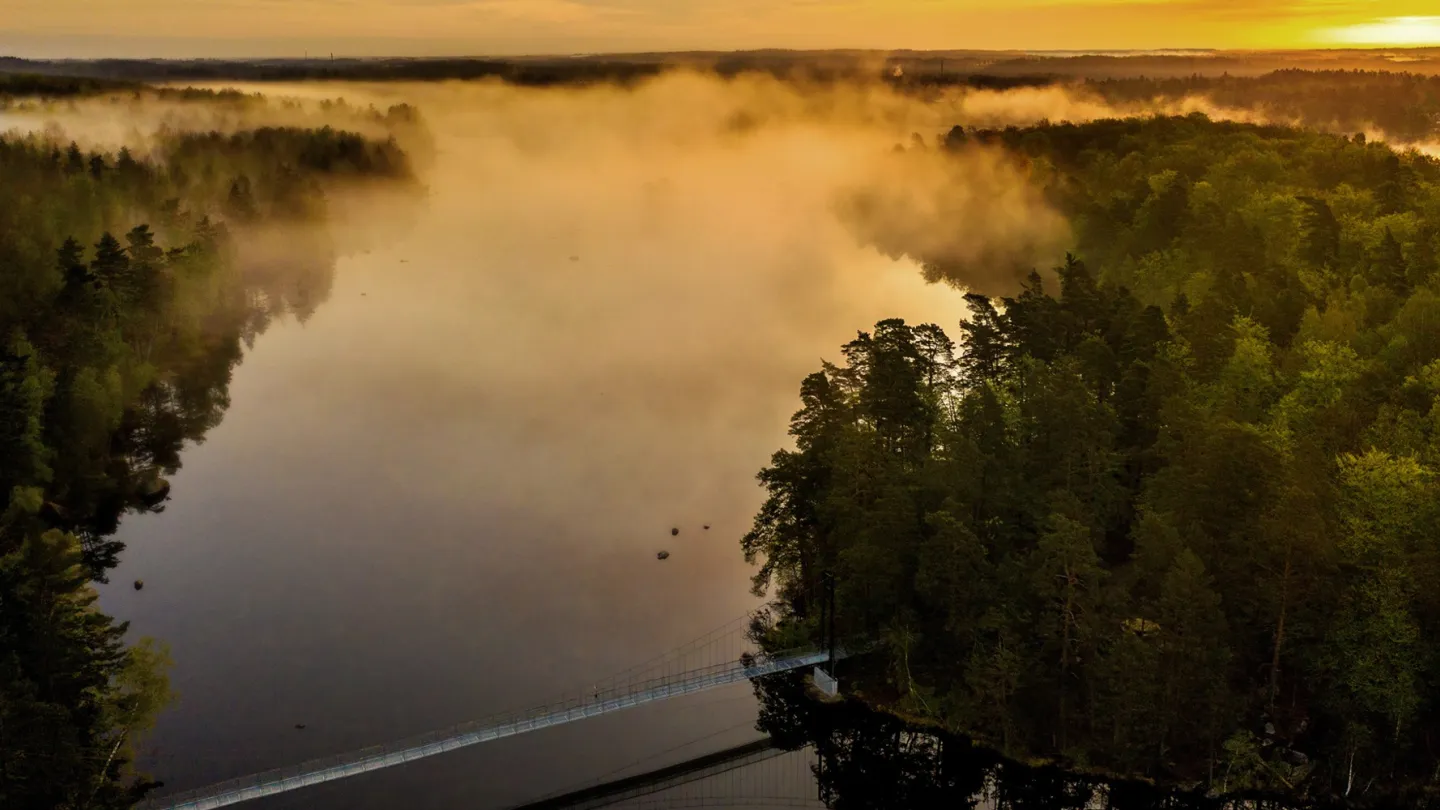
x=1166, y=509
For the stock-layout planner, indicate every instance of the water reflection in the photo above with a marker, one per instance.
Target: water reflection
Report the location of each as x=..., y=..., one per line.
x=842, y=755
x=268, y=275
x=442, y=495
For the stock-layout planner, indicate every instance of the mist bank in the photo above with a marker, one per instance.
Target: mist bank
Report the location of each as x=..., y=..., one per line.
x=616, y=288
x=1386, y=93
x=977, y=213
x=143, y=119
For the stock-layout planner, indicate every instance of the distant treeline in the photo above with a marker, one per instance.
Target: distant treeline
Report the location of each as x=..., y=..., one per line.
x=1405, y=106
x=124, y=306
x=1370, y=93
x=34, y=84
x=536, y=73
x=831, y=64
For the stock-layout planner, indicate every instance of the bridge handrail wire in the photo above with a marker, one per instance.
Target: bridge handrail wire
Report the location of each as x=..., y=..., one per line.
x=732, y=629
x=324, y=769
x=685, y=803
x=721, y=631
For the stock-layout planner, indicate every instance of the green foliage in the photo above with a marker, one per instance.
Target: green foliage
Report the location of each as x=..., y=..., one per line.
x=72, y=691
x=1188, y=499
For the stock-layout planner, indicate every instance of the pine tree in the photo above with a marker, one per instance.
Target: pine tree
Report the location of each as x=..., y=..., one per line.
x=70, y=258
x=1067, y=577
x=240, y=203
x=985, y=355
x=1321, y=246
x=60, y=658
x=1390, y=269
x=25, y=387
x=1194, y=656
x=1423, y=262
x=111, y=262
x=74, y=159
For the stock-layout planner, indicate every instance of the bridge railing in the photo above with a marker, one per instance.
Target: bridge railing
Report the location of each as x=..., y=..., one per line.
x=611, y=696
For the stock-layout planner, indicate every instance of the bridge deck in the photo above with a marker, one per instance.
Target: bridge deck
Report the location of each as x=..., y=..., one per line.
x=373, y=759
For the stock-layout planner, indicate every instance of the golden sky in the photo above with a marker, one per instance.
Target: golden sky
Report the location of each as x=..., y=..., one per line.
x=430, y=27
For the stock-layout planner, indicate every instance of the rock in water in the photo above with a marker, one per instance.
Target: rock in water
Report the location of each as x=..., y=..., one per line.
x=139, y=583
x=664, y=555
x=707, y=527
x=674, y=532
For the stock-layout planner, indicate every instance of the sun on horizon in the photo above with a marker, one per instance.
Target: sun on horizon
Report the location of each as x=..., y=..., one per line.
x=1390, y=31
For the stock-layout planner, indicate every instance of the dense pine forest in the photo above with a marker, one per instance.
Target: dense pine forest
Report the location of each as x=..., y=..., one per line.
x=1169, y=509
x=128, y=285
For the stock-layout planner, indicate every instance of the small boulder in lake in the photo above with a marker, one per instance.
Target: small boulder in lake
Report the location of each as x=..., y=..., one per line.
x=664, y=555
x=299, y=726
x=574, y=258
x=139, y=583
x=674, y=532
x=707, y=527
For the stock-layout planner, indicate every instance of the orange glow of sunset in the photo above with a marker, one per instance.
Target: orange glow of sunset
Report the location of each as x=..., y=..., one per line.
x=455, y=27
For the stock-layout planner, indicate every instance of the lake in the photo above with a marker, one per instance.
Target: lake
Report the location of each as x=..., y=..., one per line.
x=442, y=495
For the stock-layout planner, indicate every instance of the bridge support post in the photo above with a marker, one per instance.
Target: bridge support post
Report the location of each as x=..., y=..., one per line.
x=826, y=682
x=830, y=632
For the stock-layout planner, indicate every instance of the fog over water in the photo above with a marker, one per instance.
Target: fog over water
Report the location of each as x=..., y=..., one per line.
x=442, y=495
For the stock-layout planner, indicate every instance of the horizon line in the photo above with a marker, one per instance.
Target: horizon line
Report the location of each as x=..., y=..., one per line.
x=1060, y=53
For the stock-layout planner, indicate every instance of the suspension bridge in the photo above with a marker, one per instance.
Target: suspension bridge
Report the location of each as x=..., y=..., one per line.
x=717, y=659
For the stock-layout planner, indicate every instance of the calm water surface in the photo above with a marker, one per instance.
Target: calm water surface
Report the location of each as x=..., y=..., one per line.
x=442, y=496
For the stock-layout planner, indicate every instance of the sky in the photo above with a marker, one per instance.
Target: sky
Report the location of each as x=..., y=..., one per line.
x=237, y=28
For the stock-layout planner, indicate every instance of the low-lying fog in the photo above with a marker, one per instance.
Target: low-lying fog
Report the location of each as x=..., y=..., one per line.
x=443, y=494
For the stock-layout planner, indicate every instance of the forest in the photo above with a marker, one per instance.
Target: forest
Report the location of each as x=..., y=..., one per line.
x=1162, y=511
x=1165, y=510
x=1404, y=106
x=943, y=67
x=14, y=85
x=129, y=285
